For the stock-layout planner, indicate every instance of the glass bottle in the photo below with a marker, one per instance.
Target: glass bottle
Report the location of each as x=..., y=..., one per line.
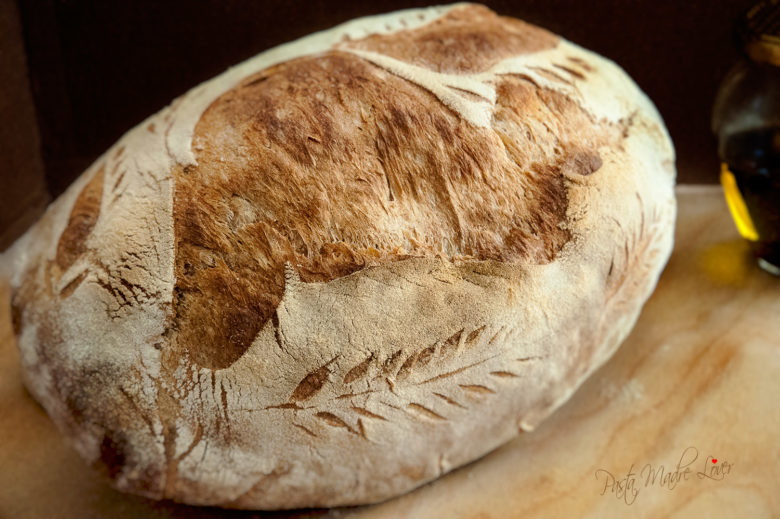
x=746, y=121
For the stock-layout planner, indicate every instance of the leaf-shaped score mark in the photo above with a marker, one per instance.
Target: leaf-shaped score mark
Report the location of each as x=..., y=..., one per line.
x=392, y=360
x=358, y=371
x=425, y=356
x=365, y=412
x=311, y=383
x=422, y=411
x=334, y=421
x=477, y=389
x=406, y=367
x=471, y=340
x=450, y=346
x=503, y=374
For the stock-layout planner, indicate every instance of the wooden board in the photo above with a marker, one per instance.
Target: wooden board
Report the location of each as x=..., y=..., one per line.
x=699, y=378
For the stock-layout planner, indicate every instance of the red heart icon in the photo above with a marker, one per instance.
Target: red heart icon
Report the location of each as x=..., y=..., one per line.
x=714, y=460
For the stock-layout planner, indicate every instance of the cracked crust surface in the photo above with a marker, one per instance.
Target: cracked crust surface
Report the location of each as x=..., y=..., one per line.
x=334, y=165
x=381, y=250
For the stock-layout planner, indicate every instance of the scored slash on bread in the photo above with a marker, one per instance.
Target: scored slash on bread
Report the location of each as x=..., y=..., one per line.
x=348, y=265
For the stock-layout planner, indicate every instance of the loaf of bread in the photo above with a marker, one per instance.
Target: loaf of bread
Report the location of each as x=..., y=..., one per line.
x=348, y=265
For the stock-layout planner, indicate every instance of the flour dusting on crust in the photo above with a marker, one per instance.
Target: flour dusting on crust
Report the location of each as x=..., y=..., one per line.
x=347, y=265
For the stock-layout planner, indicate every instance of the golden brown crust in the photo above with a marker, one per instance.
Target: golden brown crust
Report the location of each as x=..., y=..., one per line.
x=334, y=165
x=466, y=40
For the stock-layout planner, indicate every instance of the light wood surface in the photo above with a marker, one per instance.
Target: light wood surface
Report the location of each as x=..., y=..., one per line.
x=698, y=377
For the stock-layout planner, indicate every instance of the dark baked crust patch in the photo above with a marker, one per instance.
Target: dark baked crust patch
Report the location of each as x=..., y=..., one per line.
x=83, y=216
x=333, y=164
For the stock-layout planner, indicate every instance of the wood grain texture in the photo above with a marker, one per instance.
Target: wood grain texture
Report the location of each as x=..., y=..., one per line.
x=701, y=369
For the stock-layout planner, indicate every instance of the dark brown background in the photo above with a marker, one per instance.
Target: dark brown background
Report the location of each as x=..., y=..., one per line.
x=97, y=68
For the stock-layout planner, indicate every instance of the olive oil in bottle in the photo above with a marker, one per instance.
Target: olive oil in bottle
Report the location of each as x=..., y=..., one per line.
x=750, y=175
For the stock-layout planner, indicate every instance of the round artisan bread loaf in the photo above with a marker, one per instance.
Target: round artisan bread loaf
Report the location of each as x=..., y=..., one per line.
x=347, y=265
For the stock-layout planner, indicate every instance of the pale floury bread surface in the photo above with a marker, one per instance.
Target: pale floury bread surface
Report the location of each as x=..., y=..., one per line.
x=348, y=265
